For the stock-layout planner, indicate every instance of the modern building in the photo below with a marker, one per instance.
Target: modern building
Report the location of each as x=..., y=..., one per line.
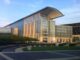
x=4, y=30
x=75, y=31
x=63, y=34
x=41, y=25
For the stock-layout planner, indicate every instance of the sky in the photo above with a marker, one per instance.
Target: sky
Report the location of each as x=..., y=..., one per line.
x=13, y=10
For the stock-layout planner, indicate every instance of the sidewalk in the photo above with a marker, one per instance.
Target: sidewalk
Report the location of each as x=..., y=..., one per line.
x=19, y=49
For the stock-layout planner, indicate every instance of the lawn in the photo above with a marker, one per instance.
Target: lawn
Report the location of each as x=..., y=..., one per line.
x=52, y=48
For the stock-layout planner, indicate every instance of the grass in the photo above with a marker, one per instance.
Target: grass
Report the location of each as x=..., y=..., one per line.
x=52, y=48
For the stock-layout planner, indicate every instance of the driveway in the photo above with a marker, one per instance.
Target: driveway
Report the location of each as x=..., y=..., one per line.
x=40, y=55
x=10, y=54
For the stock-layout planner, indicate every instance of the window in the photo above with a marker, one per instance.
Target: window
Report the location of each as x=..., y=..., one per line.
x=76, y=39
x=44, y=39
x=15, y=31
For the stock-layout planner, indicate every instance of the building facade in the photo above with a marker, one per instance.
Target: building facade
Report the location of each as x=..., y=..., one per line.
x=75, y=31
x=41, y=25
x=5, y=30
x=63, y=34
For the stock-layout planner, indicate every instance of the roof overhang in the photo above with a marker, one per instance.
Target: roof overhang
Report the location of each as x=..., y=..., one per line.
x=51, y=13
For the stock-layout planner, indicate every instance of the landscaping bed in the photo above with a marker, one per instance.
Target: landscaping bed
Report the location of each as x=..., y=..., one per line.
x=50, y=48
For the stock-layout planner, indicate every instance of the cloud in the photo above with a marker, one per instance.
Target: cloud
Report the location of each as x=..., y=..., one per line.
x=71, y=15
x=7, y=2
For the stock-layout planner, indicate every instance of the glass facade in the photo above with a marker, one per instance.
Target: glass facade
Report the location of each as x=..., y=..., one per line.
x=47, y=28
x=40, y=25
x=44, y=25
x=76, y=30
x=64, y=31
x=63, y=34
x=15, y=31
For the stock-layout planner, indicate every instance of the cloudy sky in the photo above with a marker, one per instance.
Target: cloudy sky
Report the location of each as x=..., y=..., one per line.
x=12, y=10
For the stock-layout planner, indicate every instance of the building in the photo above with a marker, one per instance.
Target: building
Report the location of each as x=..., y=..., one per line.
x=63, y=34
x=75, y=31
x=41, y=25
x=4, y=30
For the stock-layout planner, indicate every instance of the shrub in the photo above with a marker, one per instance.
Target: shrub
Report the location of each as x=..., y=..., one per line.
x=72, y=44
x=12, y=39
x=63, y=44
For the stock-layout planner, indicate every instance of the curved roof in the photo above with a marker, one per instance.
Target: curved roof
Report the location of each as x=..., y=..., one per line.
x=49, y=12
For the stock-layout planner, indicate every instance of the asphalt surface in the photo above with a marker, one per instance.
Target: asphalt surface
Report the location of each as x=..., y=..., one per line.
x=40, y=55
x=35, y=55
x=11, y=49
x=2, y=58
x=75, y=53
x=8, y=54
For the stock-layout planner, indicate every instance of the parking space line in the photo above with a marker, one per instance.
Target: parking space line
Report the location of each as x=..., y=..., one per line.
x=5, y=56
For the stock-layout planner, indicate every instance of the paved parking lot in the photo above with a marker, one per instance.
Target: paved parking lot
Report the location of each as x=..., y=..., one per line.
x=39, y=55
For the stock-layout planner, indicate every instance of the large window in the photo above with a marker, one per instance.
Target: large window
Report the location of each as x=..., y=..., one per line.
x=76, y=39
x=44, y=39
x=15, y=31
x=76, y=30
x=44, y=25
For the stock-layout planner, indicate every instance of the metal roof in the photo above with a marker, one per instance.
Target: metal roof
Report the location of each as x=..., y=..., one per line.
x=45, y=11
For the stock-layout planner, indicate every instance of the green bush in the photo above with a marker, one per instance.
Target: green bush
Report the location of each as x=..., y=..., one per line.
x=63, y=44
x=72, y=44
